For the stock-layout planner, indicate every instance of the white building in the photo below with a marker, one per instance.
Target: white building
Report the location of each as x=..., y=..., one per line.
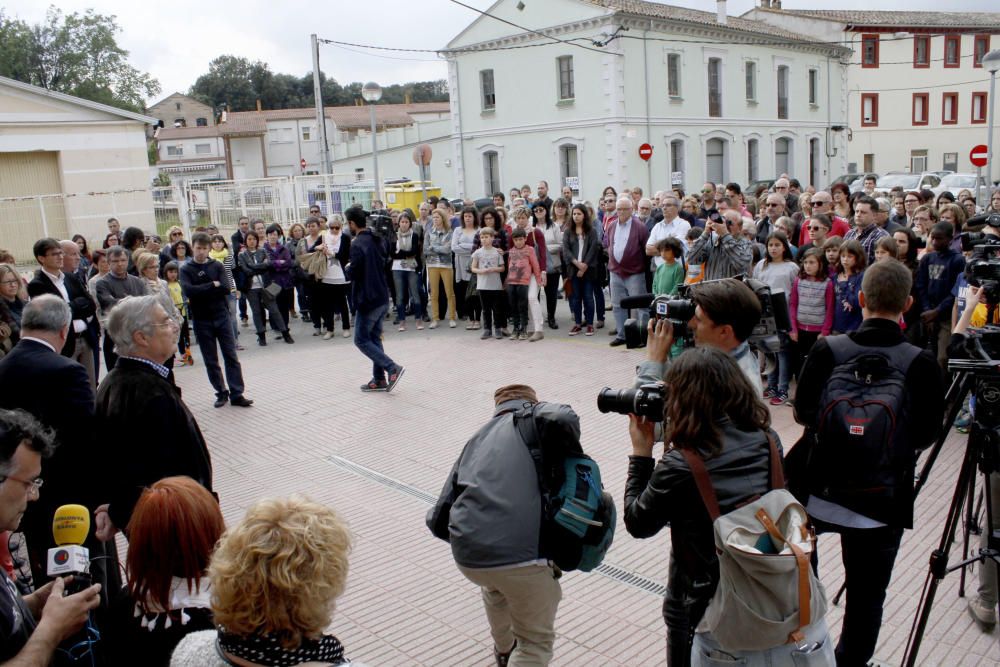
x=717, y=98
x=67, y=165
x=190, y=153
x=917, y=94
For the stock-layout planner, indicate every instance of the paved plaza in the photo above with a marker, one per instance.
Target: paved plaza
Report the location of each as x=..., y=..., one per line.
x=380, y=460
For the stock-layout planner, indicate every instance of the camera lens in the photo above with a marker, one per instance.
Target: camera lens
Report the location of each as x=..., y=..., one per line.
x=621, y=401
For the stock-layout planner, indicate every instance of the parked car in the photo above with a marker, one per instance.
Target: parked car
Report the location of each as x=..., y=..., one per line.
x=955, y=183
x=854, y=181
x=908, y=181
x=751, y=188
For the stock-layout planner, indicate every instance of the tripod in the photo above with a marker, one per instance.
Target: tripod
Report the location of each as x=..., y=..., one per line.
x=982, y=451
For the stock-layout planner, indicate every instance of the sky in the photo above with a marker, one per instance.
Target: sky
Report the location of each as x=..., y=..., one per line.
x=174, y=42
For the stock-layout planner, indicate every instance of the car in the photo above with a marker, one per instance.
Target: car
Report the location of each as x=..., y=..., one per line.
x=752, y=188
x=908, y=181
x=854, y=182
x=955, y=183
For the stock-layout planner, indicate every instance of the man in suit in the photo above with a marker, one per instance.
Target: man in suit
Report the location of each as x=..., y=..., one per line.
x=56, y=278
x=149, y=430
x=55, y=390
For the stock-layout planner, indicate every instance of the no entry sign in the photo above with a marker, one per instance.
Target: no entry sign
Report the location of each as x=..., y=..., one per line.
x=645, y=151
x=978, y=155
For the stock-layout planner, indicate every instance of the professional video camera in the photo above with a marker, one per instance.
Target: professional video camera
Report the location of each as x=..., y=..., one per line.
x=983, y=267
x=646, y=401
x=767, y=334
x=380, y=223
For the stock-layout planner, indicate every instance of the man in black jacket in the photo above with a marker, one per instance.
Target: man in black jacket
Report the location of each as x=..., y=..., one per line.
x=870, y=533
x=149, y=430
x=371, y=298
x=204, y=283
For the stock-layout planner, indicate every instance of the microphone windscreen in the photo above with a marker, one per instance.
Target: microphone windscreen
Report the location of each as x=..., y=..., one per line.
x=71, y=524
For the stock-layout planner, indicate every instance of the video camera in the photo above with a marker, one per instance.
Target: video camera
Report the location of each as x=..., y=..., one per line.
x=983, y=267
x=767, y=333
x=381, y=225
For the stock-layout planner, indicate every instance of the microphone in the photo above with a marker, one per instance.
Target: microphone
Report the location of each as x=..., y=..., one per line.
x=70, y=527
x=638, y=301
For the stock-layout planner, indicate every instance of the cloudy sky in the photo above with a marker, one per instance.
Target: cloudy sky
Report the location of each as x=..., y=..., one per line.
x=175, y=41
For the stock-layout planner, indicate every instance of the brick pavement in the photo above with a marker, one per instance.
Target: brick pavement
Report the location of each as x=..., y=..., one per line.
x=312, y=431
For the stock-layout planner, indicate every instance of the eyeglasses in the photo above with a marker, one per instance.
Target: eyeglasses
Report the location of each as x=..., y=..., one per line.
x=706, y=192
x=32, y=487
x=773, y=205
x=335, y=227
x=820, y=203
x=815, y=228
x=172, y=234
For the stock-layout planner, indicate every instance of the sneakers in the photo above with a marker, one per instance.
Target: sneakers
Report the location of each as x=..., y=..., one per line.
x=486, y=335
x=617, y=342
x=394, y=378
x=375, y=386
x=984, y=615
x=402, y=327
x=347, y=333
x=420, y=326
x=328, y=335
x=769, y=392
x=500, y=333
x=452, y=324
x=513, y=335
x=589, y=331
x=537, y=336
x=471, y=326
x=576, y=330
x=779, y=398
x=600, y=324
x=963, y=420
x=434, y=325
x=505, y=331
x=524, y=336
x=317, y=332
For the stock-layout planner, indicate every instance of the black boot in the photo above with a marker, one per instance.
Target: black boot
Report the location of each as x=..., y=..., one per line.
x=287, y=336
x=262, y=339
x=552, y=323
x=306, y=316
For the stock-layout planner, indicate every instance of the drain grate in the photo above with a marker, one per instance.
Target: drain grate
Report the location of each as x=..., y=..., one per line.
x=619, y=574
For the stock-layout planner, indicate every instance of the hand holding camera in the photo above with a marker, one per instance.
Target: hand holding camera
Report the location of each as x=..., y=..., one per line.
x=659, y=339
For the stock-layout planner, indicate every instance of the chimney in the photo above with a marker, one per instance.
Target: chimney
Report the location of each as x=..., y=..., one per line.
x=720, y=5
x=258, y=105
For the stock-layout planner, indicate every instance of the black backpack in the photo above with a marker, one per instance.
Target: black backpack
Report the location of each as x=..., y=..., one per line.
x=578, y=516
x=861, y=441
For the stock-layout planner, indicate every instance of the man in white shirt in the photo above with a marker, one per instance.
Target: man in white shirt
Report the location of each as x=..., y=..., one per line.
x=671, y=225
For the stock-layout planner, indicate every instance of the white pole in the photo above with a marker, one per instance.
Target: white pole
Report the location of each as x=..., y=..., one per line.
x=989, y=136
x=324, y=148
x=378, y=182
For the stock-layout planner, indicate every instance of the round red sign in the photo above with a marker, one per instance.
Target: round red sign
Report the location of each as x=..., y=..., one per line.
x=645, y=151
x=977, y=156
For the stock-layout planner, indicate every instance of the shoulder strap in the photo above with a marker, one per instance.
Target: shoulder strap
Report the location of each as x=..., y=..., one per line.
x=777, y=470
x=524, y=421
x=900, y=355
x=703, y=481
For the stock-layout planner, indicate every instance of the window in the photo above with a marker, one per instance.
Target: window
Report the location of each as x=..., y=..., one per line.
x=921, y=51
x=949, y=109
x=202, y=149
x=488, y=92
x=180, y=122
x=869, y=50
x=814, y=161
x=175, y=151
x=980, y=47
x=813, y=87
x=869, y=109
x=869, y=162
x=565, y=77
x=569, y=165
x=177, y=106
x=280, y=135
x=306, y=133
x=918, y=161
x=201, y=122
x=674, y=74
x=753, y=160
x=677, y=162
x=952, y=50
x=715, y=88
x=359, y=173
x=978, y=107
x=782, y=156
x=491, y=172
x=950, y=162
x=920, y=103
x=783, y=91
x=751, y=77
x=715, y=160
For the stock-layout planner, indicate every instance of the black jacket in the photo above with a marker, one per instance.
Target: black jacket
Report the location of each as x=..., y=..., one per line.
x=925, y=413
x=591, y=255
x=367, y=271
x=206, y=301
x=663, y=493
x=150, y=433
x=81, y=304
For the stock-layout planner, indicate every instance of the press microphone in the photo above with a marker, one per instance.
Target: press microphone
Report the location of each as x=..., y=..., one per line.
x=637, y=301
x=70, y=527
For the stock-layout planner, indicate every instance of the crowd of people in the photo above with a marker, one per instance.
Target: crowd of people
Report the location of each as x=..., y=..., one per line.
x=841, y=259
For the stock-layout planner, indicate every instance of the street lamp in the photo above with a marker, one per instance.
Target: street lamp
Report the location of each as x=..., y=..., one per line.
x=372, y=93
x=991, y=62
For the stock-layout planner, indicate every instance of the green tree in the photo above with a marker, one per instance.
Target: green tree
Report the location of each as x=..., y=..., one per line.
x=77, y=54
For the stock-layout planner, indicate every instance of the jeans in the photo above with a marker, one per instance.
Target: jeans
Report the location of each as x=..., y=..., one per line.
x=517, y=297
x=706, y=652
x=622, y=287
x=233, y=316
x=243, y=304
x=581, y=301
x=219, y=331
x=259, y=302
x=407, y=280
x=368, y=339
x=779, y=377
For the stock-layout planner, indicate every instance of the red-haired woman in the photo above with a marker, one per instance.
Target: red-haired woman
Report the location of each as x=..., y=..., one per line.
x=171, y=535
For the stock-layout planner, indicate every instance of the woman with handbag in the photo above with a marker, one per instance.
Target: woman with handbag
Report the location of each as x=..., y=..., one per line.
x=256, y=264
x=280, y=270
x=716, y=419
x=305, y=282
x=296, y=237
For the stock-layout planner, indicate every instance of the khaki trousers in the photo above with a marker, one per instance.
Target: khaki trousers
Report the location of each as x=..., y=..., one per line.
x=437, y=275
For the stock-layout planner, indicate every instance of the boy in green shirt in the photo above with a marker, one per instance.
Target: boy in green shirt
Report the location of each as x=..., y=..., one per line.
x=670, y=274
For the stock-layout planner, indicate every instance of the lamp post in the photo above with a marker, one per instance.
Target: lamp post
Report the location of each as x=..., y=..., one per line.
x=372, y=92
x=991, y=62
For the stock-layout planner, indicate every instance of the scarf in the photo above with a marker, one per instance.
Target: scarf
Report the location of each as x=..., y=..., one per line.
x=267, y=649
x=405, y=241
x=219, y=255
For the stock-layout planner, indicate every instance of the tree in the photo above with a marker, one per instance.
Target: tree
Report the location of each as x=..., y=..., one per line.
x=75, y=54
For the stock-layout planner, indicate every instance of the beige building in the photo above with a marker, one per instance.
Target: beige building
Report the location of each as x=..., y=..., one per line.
x=179, y=110
x=67, y=165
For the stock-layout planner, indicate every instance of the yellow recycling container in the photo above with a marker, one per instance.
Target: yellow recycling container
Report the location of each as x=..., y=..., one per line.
x=408, y=195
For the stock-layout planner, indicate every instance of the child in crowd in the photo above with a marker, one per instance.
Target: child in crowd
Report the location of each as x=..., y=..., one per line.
x=521, y=266
x=886, y=248
x=831, y=249
x=810, y=304
x=936, y=275
x=172, y=275
x=670, y=274
x=847, y=312
x=695, y=272
x=488, y=264
x=778, y=271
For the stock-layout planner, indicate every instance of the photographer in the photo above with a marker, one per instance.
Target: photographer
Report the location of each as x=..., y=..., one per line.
x=722, y=247
x=725, y=314
x=717, y=415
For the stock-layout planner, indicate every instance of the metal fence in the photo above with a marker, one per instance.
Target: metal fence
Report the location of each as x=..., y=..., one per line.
x=24, y=220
